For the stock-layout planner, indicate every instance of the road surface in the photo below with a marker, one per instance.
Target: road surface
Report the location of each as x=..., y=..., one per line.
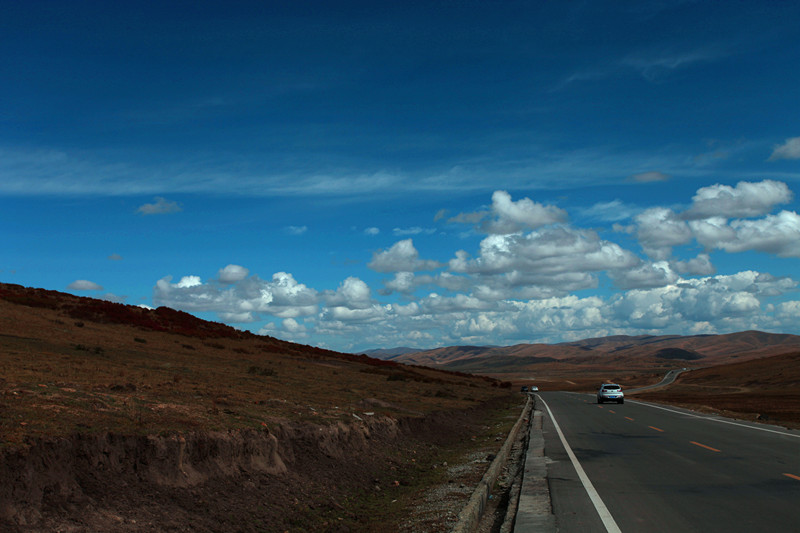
x=669, y=377
x=654, y=468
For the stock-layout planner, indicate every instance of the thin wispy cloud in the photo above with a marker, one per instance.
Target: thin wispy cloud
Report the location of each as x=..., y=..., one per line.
x=652, y=65
x=655, y=65
x=64, y=175
x=790, y=149
x=296, y=230
x=650, y=177
x=612, y=211
x=416, y=230
x=161, y=206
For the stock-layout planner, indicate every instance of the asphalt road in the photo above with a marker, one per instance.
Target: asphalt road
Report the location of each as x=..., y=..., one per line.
x=665, y=469
x=668, y=379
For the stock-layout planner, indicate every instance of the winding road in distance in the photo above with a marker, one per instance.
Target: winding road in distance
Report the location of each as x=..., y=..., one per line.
x=669, y=378
x=651, y=468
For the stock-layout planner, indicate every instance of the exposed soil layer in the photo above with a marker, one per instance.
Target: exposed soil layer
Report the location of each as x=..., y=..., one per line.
x=293, y=477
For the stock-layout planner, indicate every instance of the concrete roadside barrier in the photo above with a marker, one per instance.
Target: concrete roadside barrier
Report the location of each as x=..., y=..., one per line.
x=534, y=512
x=470, y=516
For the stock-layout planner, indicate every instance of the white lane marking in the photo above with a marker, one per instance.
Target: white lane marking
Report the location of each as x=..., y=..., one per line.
x=714, y=419
x=602, y=510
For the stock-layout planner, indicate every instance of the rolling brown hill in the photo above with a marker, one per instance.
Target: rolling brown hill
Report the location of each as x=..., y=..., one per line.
x=119, y=418
x=642, y=353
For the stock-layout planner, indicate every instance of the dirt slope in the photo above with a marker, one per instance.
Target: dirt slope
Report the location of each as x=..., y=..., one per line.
x=116, y=418
x=294, y=477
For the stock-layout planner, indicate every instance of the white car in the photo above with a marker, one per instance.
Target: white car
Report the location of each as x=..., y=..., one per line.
x=534, y=388
x=610, y=392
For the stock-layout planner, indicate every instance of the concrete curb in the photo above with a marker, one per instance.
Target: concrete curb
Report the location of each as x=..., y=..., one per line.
x=470, y=515
x=534, y=511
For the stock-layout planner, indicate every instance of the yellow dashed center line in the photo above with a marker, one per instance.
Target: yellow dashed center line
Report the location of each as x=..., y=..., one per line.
x=704, y=446
x=629, y=418
x=792, y=476
x=657, y=429
x=612, y=411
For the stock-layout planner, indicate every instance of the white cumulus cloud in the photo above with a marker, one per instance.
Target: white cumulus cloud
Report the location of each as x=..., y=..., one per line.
x=745, y=200
x=507, y=216
x=550, y=251
x=659, y=229
x=84, y=285
x=521, y=285
x=408, y=282
x=401, y=257
x=282, y=296
x=352, y=293
x=698, y=266
x=511, y=216
x=775, y=234
x=657, y=274
x=734, y=219
x=232, y=273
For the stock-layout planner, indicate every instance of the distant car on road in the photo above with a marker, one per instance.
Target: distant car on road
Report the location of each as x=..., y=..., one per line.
x=610, y=392
x=534, y=388
x=524, y=389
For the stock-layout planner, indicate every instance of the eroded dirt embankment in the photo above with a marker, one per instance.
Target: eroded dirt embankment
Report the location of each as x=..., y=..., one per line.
x=295, y=476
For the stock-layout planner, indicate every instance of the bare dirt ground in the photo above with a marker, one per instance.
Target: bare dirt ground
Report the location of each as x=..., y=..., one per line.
x=438, y=508
x=115, y=418
x=353, y=483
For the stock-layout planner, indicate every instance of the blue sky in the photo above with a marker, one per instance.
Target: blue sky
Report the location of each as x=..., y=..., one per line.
x=358, y=175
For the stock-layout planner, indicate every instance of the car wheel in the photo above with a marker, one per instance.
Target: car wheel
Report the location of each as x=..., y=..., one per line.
x=599, y=400
x=621, y=401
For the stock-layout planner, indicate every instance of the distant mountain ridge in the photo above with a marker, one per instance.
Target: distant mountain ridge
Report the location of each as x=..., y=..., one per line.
x=389, y=353
x=637, y=350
